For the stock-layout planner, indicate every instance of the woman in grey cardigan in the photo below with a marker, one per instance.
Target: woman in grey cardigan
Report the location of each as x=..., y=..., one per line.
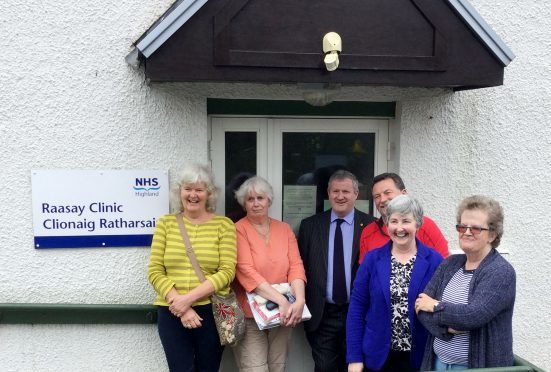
x=468, y=305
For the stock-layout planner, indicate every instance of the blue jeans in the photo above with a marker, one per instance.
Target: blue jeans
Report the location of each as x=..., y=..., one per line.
x=441, y=366
x=190, y=350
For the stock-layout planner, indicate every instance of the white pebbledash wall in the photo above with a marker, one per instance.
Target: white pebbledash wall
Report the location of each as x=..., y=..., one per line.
x=70, y=101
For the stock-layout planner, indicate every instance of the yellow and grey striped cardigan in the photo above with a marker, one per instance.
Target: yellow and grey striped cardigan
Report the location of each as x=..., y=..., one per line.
x=214, y=244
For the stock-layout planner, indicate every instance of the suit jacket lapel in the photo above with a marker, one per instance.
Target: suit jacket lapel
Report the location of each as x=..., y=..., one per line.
x=323, y=248
x=324, y=242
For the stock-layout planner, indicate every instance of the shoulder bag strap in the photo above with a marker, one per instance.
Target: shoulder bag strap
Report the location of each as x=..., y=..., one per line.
x=189, y=248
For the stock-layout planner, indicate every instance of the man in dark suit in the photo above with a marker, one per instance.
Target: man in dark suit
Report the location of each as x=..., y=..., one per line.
x=329, y=247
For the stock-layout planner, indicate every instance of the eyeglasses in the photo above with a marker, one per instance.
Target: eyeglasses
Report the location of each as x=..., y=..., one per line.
x=475, y=230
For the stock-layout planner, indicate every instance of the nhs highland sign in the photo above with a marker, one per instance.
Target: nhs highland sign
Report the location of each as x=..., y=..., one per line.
x=97, y=208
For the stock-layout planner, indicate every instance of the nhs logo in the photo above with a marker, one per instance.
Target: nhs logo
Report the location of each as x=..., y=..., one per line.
x=146, y=186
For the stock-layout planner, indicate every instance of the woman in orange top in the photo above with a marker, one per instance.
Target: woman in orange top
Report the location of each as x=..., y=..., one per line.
x=267, y=253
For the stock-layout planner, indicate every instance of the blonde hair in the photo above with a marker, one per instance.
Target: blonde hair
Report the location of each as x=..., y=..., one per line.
x=195, y=173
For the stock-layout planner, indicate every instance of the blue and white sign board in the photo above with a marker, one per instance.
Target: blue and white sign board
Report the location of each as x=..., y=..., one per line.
x=97, y=208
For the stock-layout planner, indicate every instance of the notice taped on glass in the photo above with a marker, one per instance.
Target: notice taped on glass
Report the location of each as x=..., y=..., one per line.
x=299, y=202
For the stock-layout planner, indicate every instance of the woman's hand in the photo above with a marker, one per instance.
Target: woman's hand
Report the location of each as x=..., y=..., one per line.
x=191, y=319
x=294, y=314
x=179, y=304
x=424, y=303
x=284, y=307
x=455, y=332
x=356, y=367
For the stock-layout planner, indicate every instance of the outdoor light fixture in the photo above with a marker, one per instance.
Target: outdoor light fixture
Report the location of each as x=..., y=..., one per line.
x=332, y=46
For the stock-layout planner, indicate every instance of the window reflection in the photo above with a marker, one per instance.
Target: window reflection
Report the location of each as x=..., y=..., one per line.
x=240, y=165
x=311, y=158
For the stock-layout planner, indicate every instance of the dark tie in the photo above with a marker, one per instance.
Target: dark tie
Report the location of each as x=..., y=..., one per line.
x=339, y=278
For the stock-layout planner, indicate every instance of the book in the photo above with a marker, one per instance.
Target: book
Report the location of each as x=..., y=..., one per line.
x=265, y=318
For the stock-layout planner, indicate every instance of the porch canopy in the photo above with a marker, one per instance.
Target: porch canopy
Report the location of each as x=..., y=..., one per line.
x=404, y=43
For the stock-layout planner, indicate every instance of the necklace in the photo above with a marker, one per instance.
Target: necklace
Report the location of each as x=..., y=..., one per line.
x=263, y=230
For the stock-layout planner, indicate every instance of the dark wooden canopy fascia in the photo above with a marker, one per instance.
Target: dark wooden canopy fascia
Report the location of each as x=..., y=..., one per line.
x=406, y=43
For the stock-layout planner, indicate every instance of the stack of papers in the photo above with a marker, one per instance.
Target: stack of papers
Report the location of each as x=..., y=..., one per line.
x=265, y=318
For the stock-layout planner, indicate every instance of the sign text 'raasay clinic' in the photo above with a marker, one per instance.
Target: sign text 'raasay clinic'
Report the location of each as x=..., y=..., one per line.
x=71, y=211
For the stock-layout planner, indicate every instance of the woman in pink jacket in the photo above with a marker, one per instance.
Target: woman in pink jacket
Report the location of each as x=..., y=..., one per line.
x=267, y=253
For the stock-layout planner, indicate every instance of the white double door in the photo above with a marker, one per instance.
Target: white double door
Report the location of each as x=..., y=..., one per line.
x=296, y=156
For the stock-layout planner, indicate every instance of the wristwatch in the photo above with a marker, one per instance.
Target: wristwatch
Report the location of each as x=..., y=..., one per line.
x=438, y=306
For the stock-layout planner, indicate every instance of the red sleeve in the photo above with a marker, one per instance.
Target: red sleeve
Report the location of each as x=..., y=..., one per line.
x=431, y=236
x=370, y=239
x=363, y=243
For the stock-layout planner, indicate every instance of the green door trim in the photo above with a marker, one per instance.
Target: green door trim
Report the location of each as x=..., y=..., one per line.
x=217, y=106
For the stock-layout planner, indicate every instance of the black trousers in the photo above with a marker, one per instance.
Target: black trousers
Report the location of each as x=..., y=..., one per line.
x=190, y=350
x=328, y=341
x=397, y=361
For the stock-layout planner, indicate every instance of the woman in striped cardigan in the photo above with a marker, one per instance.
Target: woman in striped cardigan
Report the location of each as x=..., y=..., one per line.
x=468, y=304
x=185, y=321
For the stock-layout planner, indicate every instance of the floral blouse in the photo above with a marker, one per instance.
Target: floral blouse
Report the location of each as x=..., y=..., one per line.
x=400, y=276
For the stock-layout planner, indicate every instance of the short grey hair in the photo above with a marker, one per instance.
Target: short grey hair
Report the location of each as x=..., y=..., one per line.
x=342, y=175
x=195, y=173
x=405, y=204
x=491, y=207
x=254, y=184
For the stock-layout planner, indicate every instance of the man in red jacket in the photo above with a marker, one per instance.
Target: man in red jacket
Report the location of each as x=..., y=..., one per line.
x=386, y=187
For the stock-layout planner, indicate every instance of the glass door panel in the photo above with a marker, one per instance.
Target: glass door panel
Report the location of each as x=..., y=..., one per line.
x=311, y=150
x=240, y=153
x=237, y=151
x=311, y=158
